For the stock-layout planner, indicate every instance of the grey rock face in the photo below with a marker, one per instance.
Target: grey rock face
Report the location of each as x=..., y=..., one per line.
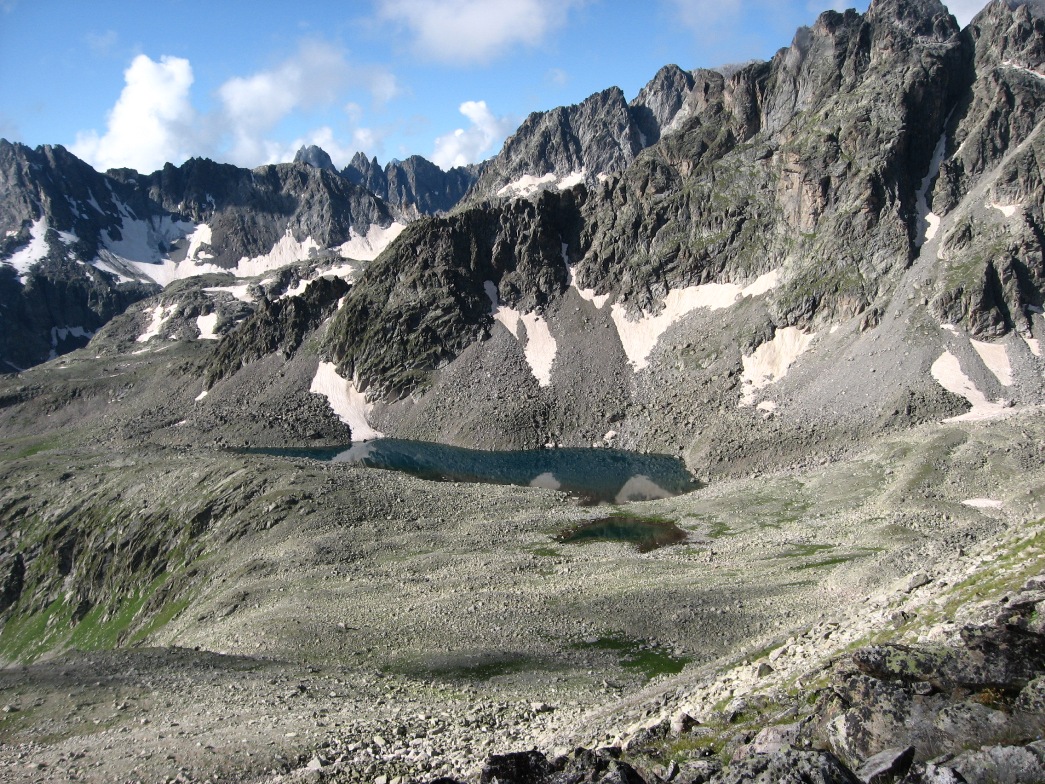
x=886, y=765
x=414, y=184
x=278, y=326
x=424, y=301
x=811, y=162
x=802, y=767
x=598, y=135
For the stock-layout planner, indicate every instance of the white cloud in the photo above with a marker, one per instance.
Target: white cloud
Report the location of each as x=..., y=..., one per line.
x=699, y=15
x=466, y=31
x=253, y=105
x=154, y=121
x=151, y=123
x=470, y=145
x=316, y=77
x=102, y=44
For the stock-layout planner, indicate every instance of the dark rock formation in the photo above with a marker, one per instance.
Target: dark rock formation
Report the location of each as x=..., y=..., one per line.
x=413, y=184
x=276, y=327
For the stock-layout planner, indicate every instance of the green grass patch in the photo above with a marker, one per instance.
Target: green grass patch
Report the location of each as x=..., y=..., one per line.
x=633, y=655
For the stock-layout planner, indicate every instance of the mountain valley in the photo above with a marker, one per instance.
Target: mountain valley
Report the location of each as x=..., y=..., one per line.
x=817, y=281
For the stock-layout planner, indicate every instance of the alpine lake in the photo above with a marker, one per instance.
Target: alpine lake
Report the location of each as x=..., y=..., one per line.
x=593, y=476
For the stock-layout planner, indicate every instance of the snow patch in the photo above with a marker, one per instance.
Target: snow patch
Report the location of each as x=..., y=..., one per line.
x=206, y=325
x=546, y=480
x=767, y=407
x=1033, y=345
x=571, y=279
x=201, y=395
x=948, y=373
x=1008, y=210
x=983, y=503
x=61, y=333
x=540, y=346
x=32, y=253
x=640, y=336
x=1025, y=69
x=770, y=362
x=141, y=240
x=200, y=237
x=571, y=179
x=928, y=221
x=350, y=405
x=160, y=314
x=529, y=184
x=239, y=292
x=286, y=251
x=526, y=185
x=996, y=358
x=368, y=247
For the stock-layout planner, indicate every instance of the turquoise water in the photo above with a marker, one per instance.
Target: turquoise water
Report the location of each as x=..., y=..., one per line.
x=595, y=475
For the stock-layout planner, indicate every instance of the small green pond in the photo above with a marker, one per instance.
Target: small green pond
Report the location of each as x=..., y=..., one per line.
x=644, y=533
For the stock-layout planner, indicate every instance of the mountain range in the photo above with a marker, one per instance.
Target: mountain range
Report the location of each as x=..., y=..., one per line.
x=825, y=270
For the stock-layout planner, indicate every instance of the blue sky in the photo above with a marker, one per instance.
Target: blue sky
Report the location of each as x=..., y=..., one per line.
x=135, y=83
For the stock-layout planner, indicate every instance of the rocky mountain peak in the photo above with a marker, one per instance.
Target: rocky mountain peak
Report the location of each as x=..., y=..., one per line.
x=316, y=157
x=917, y=17
x=659, y=102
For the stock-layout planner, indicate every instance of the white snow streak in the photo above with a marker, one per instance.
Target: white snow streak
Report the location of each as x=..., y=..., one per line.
x=640, y=336
x=571, y=179
x=928, y=221
x=1008, y=210
x=983, y=503
x=286, y=251
x=769, y=363
x=540, y=346
x=529, y=184
x=368, y=247
x=1033, y=345
x=526, y=185
x=350, y=406
x=239, y=292
x=1025, y=69
x=32, y=253
x=996, y=358
x=160, y=314
x=200, y=237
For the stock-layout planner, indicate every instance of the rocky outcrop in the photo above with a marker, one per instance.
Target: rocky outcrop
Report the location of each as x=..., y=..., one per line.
x=249, y=212
x=276, y=327
x=993, y=254
x=425, y=300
